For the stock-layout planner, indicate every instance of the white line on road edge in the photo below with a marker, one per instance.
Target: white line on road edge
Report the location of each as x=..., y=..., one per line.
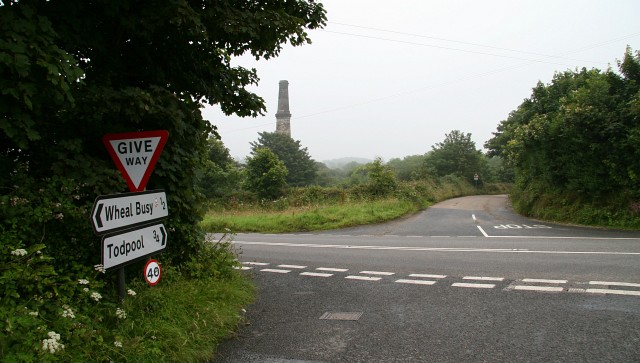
x=427, y=276
x=443, y=249
x=364, y=278
x=382, y=273
x=256, y=263
x=292, y=266
x=275, y=270
x=614, y=292
x=474, y=286
x=543, y=281
x=539, y=288
x=315, y=274
x=415, y=282
x=243, y=268
x=331, y=269
x=483, y=278
x=613, y=283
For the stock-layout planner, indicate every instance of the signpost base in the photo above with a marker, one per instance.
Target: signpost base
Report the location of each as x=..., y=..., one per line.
x=121, y=284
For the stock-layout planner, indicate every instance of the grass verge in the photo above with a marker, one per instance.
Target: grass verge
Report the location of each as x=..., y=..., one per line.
x=321, y=217
x=181, y=319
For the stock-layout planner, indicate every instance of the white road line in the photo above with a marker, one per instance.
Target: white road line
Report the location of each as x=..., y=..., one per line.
x=315, y=274
x=275, y=270
x=427, y=276
x=244, y=268
x=614, y=283
x=614, y=292
x=539, y=288
x=543, y=281
x=483, y=278
x=415, y=282
x=364, y=278
x=415, y=236
x=256, y=263
x=456, y=249
x=298, y=267
x=381, y=273
x=483, y=232
x=331, y=269
x=474, y=286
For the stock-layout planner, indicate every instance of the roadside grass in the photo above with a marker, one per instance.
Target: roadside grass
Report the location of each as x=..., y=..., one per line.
x=312, y=218
x=181, y=319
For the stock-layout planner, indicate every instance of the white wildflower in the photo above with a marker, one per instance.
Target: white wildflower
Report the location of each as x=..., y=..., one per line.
x=99, y=268
x=118, y=344
x=53, y=343
x=121, y=314
x=58, y=216
x=19, y=252
x=96, y=296
x=83, y=282
x=33, y=313
x=86, y=289
x=68, y=313
x=131, y=292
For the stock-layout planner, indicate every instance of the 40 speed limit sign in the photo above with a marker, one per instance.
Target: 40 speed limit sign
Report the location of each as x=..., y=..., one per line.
x=152, y=272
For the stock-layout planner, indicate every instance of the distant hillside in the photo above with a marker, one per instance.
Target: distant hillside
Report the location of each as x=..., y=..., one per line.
x=339, y=163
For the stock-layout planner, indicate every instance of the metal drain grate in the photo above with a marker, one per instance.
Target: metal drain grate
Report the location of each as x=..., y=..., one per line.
x=341, y=316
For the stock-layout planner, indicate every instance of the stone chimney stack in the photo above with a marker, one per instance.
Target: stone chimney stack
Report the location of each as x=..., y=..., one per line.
x=283, y=116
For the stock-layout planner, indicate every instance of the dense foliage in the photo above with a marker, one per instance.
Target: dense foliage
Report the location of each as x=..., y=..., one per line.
x=302, y=168
x=575, y=140
x=71, y=72
x=266, y=174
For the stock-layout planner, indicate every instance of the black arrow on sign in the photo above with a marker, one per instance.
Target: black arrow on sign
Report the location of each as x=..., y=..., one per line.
x=97, y=215
x=164, y=235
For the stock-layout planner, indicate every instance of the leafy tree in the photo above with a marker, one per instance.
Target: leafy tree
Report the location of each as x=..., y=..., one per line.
x=455, y=155
x=266, y=174
x=577, y=135
x=220, y=176
x=71, y=72
x=302, y=169
x=376, y=178
x=411, y=167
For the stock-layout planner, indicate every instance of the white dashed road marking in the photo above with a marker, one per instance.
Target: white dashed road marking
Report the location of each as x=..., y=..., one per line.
x=474, y=286
x=613, y=292
x=331, y=269
x=292, y=266
x=483, y=278
x=427, y=279
x=415, y=282
x=363, y=278
x=427, y=276
x=538, y=288
x=316, y=274
x=381, y=273
x=275, y=270
x=613, y=283
x=543, y=281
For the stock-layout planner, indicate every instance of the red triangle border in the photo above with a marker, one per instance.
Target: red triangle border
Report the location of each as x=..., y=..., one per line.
x=106, y=139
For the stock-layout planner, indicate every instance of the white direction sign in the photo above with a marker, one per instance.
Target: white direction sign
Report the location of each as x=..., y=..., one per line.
x=120, y=249
x=120, y=211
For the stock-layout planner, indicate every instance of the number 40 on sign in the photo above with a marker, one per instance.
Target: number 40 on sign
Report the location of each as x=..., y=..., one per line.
x=152, y=272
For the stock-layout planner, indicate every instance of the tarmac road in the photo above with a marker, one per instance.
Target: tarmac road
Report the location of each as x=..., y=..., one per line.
x=467, y=280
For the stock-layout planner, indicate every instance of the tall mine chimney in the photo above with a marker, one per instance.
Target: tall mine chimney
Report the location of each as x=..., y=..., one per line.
x=283, y=116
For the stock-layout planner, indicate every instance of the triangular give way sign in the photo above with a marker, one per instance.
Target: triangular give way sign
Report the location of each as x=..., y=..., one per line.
x=135, y=154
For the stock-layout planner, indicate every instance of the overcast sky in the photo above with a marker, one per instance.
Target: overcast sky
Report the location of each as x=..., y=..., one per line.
x=390, y=78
